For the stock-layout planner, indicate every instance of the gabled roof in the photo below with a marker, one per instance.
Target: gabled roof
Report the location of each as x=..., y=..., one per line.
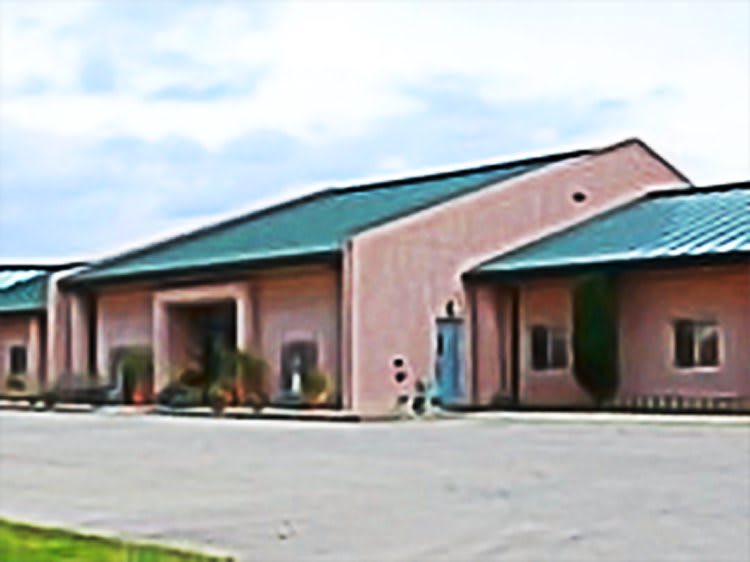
x=311, y=227
x=708, y=223
x=23, y=290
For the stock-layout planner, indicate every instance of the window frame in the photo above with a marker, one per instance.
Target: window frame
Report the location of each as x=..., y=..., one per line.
x=11, y=349
x=695, y=325
x=550, y=333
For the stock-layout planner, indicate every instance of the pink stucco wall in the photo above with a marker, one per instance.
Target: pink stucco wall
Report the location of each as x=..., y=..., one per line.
x=493, y=340
x=651, y=301
x=273, y=307
x=123, y=319
x=302, y=305
x=22, y=330
x=402, y=274
x=547, y=303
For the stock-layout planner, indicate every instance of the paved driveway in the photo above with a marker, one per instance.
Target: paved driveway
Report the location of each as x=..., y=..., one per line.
x=451, y=490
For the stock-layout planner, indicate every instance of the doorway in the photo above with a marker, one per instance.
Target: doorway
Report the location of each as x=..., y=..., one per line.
x=449, y=364
x=200, y=335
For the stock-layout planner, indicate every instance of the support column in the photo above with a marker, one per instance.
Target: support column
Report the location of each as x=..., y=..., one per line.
x=161, y=344
x=244, y=311
x=79, y=328
x=57, y=331
x=34, y=348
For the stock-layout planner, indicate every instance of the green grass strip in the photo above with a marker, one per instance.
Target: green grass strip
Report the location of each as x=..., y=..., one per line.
x=22, y=542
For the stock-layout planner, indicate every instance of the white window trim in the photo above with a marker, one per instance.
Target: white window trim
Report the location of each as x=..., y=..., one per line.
x=696, y=368
x=550, y=328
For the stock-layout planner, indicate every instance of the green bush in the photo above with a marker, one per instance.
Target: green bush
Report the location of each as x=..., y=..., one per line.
x=50, y=398
x=218, y=397
x=251, y=374
x=16, y=382
x=315, y=386
x=193, y=377
x=595, y=337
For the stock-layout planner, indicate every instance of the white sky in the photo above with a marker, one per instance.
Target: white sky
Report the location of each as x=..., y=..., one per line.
x=340, y=84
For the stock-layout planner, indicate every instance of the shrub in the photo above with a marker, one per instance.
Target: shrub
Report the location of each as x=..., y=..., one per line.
x=595, y=337
x=82, y=388
x=315, y=386
x=251, y=373
x=193, y=377
x=218, y=397
x=49, y=398
x=16, y=382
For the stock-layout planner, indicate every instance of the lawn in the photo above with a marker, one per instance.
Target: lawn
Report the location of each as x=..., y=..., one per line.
x=20, y=542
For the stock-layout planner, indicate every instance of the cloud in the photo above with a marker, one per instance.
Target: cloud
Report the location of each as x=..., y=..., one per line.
x=195, y=108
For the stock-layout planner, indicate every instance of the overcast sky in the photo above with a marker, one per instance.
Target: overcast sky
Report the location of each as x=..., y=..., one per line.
x=127, y=119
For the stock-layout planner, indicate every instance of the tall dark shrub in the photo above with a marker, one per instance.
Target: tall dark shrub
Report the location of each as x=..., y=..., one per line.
x=595, y=336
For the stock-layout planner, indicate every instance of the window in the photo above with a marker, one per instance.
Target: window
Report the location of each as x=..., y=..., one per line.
x=298, y=358
x=696, y=343
x=17, y=359
x=549, y=348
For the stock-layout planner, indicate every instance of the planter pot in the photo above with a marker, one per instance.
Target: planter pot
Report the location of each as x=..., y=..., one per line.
x=318, y=399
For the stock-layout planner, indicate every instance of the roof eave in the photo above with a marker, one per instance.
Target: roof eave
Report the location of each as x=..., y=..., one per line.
x=204, y=272
x=614, y=266
x=37, y=309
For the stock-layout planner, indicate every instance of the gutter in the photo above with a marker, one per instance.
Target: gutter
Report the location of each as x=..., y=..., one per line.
x=203, y=272
x=609, y=266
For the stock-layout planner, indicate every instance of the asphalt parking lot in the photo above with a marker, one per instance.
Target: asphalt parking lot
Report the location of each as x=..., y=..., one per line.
x=445, y=490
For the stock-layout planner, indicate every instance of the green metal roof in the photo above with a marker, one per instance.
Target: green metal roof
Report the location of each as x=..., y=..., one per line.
x=701, y=222
x=317, y=224
x=23, y=291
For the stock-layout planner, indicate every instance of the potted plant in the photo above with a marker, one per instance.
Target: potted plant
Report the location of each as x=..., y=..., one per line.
x=251, y=371
x=137, y=370
x=16, y=382
x=219, y=396
x=316, y=386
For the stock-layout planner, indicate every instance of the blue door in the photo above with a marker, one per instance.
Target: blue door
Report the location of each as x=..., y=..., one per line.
x=449, y=368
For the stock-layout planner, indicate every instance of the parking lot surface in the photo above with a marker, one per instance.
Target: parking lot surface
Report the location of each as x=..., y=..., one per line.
x=443, y=490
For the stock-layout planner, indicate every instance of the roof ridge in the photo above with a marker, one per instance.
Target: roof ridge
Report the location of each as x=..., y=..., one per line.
x=482, y=168
x=699, y=190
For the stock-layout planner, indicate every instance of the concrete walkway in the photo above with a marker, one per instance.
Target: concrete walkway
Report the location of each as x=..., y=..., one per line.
x=480, y=488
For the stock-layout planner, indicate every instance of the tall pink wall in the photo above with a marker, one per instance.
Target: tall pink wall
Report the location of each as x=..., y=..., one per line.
x=651, y=301
x=123, y=319
x=493, y=368
x=401, y=275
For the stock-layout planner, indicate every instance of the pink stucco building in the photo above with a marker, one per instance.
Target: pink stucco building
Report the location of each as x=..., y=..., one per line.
x=672, y=276
x=368, y=282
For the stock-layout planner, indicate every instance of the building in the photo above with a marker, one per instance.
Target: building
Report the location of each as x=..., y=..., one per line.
x=668, y=280
x=24, y=327
x=366, y=283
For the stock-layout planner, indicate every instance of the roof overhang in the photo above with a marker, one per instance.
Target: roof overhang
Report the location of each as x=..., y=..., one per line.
x=204, y=273
x=615, y=266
